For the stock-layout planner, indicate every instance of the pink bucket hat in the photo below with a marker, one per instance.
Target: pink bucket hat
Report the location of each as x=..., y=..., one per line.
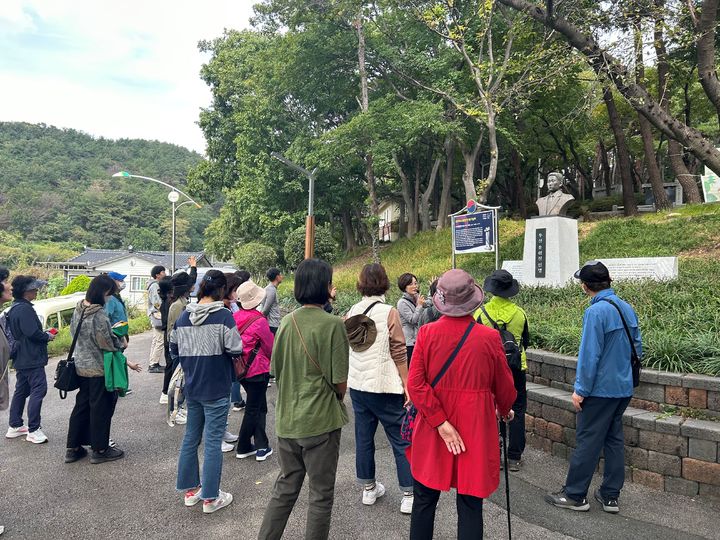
x=457, y=294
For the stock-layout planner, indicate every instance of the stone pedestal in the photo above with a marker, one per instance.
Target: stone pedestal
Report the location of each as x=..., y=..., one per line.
x=551, y=255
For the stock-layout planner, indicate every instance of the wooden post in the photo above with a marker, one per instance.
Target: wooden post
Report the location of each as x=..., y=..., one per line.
x=309, y=237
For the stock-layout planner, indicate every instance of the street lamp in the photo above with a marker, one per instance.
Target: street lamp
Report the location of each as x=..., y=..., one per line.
x=173, y=197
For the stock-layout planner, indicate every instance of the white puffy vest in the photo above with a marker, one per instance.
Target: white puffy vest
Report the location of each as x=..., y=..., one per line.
x=373, y=370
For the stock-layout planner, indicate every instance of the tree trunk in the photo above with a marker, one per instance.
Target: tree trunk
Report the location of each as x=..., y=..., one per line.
x=425, y=199
x=369, y=171
x=606, y=65
x=444, y=209
x=675, y=149
x=622, y=154
x=607, y=179
x=348, y=232
x=407, y=197
x=661, y=199
x=470, y=157
x=706, y=52
x=519, y=188
x=494, y=153
x=416, y=197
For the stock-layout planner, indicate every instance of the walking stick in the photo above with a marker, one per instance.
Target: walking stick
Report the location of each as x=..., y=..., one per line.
x=503, y=432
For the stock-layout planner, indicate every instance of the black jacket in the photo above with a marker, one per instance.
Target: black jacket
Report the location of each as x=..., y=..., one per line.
x=32, y=350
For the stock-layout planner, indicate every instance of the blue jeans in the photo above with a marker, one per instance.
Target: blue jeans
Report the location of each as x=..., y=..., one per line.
x=389, y=411
x=205, y=419
x=30, y=383
x=235, y=396
x=599, y=427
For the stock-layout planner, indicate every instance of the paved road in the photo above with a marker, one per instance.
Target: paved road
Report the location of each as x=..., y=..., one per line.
x=134, y=498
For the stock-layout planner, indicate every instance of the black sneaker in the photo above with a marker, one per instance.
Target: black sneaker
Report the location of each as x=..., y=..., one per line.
x=238, y=406
x=156, y=369
x=111, y=454
x=72, y=455
x=561, y=500
x=609, y=505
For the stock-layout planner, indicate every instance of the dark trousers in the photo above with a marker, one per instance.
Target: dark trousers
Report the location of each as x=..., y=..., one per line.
x=422, y=520
x=170, y=368
x=253, y=423
x=91, y=417
x=318, y=458
x=516, y=444
x=410, y=349
x=371, y=408
x=599, y=427
x=30, y=383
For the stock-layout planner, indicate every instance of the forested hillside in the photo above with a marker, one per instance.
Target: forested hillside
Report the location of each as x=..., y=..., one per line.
x=56, y=185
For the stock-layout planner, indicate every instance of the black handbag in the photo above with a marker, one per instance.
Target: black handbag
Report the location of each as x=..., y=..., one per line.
x=66, y=377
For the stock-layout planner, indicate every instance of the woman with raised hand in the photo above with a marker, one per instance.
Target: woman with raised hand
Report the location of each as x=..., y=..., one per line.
x=459, y=381
x=204, y=341
x=410, y=306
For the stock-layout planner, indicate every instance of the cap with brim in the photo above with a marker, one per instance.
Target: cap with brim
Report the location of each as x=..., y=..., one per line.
x=117, y=276
x=457, y=294
x=250, y=295
x=501, y=283
x=593, y=272
x=35, y=284
x=182, y=283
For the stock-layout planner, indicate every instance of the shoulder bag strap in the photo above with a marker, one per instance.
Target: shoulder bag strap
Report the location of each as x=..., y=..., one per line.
x=76, y=335
x=453, y=355
x=251, y=320
x=495, y=325
x=307, y=353
x=370, y=307
x=633, y=352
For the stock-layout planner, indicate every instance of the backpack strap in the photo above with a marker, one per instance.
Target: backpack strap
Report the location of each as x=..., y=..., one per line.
x=453, y=355
x=633, y=352
x=489, y=318
x=370, y=307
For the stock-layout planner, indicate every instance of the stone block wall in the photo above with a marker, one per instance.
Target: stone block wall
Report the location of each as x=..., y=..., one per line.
x=657, y=388
x=664, y=452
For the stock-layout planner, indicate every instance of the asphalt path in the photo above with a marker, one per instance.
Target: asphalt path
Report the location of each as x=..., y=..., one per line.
x=42, y=497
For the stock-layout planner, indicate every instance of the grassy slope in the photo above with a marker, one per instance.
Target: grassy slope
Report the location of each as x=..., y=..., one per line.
x=680, y=320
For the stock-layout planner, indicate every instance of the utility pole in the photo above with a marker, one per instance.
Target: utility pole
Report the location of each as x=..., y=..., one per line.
x=310, y=220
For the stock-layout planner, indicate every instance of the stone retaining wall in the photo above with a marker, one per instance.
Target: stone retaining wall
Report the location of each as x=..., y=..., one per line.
x=657, y=388
x=662, y=451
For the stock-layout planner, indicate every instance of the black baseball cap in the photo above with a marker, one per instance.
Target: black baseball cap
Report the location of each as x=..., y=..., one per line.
x=593, y=272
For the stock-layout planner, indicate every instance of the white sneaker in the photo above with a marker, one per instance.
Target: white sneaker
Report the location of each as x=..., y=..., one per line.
x=36, y=437
x=192, y=497
x=227, y=447
x=371, y=495
x=229, y=437
x=181, y=418
x=407, y=503
x=222, y=501
x=163, y=399
x=15, y=432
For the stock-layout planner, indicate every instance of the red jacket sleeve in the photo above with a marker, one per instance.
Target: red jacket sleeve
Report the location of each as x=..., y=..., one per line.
x=421, y=393
x=503, y=386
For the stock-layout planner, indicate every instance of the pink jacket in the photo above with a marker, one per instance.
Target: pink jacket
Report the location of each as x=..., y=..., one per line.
x=259, y=330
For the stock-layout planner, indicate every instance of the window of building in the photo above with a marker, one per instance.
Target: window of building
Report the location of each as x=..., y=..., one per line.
x=138, y=283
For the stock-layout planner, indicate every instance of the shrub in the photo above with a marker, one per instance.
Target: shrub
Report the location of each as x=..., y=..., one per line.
x=325, y=246
x=255, y=257
x=78, y=284
x=605, y=204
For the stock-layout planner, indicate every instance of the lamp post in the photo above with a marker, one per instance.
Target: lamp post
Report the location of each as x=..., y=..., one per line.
x=310, y=220
x=173, y=197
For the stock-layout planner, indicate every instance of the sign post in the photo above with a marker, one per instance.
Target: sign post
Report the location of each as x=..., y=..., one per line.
x=475, y=230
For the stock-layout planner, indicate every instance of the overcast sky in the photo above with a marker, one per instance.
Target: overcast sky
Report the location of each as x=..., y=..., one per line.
x=112, y=69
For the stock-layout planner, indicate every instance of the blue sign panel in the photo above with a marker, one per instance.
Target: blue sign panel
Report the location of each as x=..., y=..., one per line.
x=474, y=233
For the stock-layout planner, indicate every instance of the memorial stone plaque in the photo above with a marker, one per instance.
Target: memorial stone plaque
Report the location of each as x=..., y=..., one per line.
x=540, y=252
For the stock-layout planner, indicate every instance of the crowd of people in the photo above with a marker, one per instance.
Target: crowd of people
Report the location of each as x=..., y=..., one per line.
x=455, y=358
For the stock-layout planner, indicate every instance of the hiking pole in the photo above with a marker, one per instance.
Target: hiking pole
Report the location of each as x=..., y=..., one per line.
x=503, y=432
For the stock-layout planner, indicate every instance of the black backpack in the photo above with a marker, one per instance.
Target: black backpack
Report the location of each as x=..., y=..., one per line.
x=512, y=349
x=13, y=344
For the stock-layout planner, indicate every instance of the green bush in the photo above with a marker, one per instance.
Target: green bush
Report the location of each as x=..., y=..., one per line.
x=78, y=284
x=606, y=203
x=325, y=246
x=255, y=257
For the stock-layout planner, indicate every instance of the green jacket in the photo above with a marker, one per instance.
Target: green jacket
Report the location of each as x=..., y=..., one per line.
x=503, y=310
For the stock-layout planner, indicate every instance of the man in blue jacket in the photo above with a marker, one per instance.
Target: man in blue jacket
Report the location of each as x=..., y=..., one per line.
x=29, y=359
x=603, y=388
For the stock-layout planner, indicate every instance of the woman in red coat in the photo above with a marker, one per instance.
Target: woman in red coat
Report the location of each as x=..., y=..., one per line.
x=455, y=438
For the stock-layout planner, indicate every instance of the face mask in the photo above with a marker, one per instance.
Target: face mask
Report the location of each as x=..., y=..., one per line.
x=122, y=286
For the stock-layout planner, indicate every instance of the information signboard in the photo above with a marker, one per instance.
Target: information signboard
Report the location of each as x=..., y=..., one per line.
x=474, y=233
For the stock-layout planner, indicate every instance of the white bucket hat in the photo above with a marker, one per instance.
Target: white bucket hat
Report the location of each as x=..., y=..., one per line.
x=250, y=295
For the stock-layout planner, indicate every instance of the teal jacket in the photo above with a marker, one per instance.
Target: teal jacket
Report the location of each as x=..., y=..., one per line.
x=505, y=311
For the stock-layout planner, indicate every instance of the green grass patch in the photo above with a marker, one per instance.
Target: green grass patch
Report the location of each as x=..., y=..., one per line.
x=680, y=320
